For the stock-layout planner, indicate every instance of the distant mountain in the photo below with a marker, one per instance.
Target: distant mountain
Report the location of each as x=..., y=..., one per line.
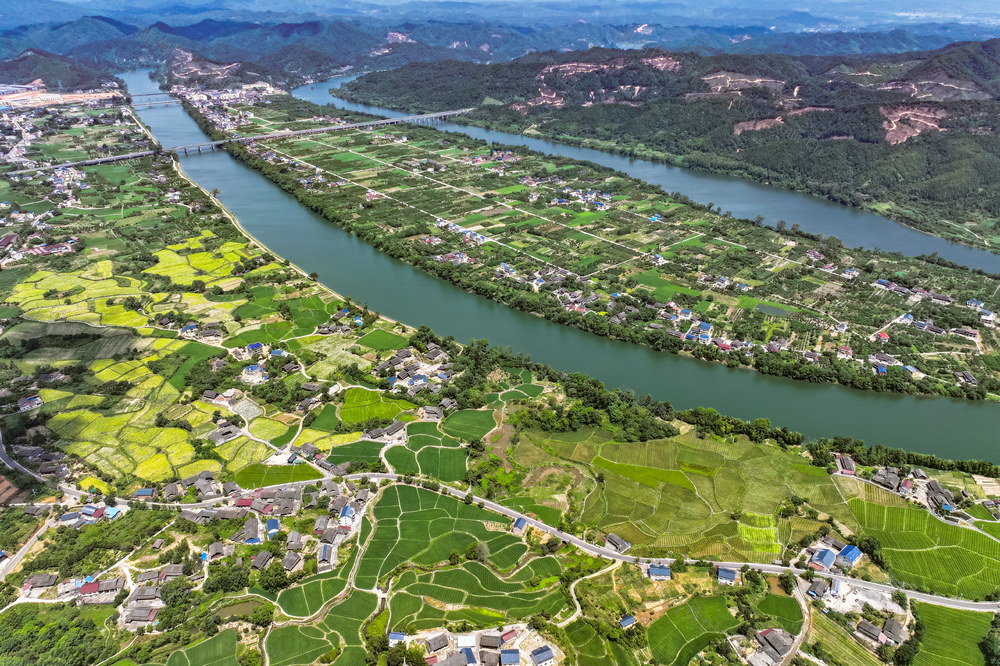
x=14, y=13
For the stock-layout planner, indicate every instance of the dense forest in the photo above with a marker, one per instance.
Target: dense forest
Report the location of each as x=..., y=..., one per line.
x=911, y=136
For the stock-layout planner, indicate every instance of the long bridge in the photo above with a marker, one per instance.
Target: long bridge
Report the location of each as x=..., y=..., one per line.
x=212, y=145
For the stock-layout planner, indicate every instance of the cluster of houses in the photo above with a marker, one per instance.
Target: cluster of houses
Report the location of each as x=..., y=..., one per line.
x=90, y=514
x=412, y=372
x=832, y=555
x=209, y=333
x=938, y=498
x=890, y=633
x=490, y=648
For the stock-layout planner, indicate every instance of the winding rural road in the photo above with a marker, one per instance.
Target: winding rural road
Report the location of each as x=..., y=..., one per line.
x=586, y=546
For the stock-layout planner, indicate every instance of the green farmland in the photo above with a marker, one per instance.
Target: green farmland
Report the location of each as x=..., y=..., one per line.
x=927, y=552
x=684, y=631
x=419, y=526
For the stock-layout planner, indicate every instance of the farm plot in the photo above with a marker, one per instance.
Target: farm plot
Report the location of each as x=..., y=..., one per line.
x=785, y=609
x=361, y=405
x=241, y=452
x=380, y=340
x=838, y=643
x=258, y=476
x=219, y=650
x=473, y=593
x=927, y=552
x=296, y=644
x=951, y=636
x=685, y=630
x=680, y=493
x=591, y=650
x=413, y=524
x=308, y=595
x=469, y=424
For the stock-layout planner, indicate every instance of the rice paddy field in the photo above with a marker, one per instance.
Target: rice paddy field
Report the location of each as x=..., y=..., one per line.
x=303, y=644
x=258, y=476
x=929, y=553
x=361, y=404
x=591, y=650
x=951, y=636
x=472, y=592
x=785, y=610
x=419, y=526
x=680, y=493
x=219, y=650
x=839, y=643
x=307, y=597
x=381, y=340
x=684, y=631
x=469, y=424
x=429, y=451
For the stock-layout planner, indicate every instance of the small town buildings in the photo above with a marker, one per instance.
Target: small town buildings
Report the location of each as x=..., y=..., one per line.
x=893, y=631
x=869, y=630
x=818, y=589
x=823, y=560
x=519, y=526
x=542, y=656
x=436, y=643
x=616, y=543
x=261, y=560
x=775, y=643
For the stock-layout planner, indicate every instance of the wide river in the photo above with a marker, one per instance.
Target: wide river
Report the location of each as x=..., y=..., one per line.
x=949, y=428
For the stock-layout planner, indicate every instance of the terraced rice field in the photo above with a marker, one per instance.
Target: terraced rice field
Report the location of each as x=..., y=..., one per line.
x=685, y=630
x=219, y=650
x=472, y=592
x=413, y=524
x=293, y=644
x=469, y=424
x=951, y=636
x=938, y=556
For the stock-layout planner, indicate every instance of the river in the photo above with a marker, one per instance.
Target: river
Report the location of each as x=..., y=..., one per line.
x=949, y=428
x=745, y=199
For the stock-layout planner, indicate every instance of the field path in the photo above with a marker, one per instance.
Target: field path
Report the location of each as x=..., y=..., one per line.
x=576, y=601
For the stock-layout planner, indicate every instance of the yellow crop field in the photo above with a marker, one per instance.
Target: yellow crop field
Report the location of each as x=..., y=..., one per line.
x=155, y=468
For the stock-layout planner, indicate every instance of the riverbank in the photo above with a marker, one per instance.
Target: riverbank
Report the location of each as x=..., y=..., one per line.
x=826, y=368
x=953, y=428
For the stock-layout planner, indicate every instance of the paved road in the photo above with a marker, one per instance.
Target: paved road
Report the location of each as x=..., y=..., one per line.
x=11, y=563
x=586, y=546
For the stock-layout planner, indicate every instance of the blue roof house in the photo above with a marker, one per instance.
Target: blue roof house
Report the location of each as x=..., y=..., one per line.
x=273, y=527
x=626, y=621
x=823, y=559
x=848, y=557
x=658, y=572
x=510, y=656
x=727, y=576
x=542, y=656
x=396, y=637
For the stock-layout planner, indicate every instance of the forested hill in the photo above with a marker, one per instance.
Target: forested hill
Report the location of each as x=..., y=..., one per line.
x=57, y=72
x=910, y=135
